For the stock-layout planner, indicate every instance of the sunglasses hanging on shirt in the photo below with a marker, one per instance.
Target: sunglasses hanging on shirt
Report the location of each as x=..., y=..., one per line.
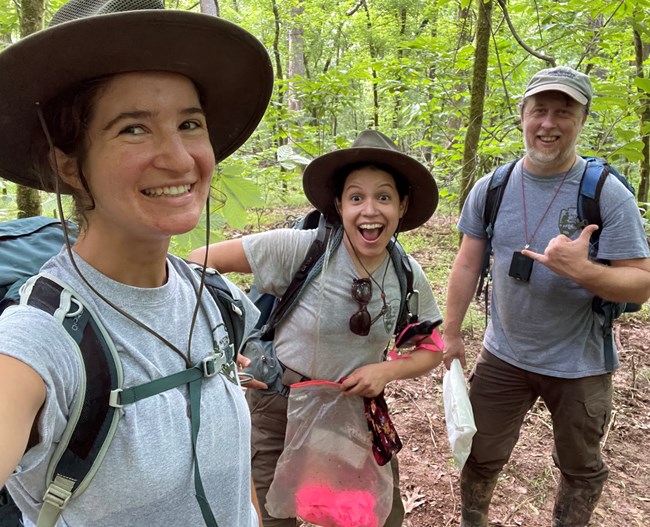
x=361, y=322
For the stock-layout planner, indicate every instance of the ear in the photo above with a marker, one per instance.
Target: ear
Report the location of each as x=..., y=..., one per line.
x=67, y=168
x=337, y=205
x=403, y=207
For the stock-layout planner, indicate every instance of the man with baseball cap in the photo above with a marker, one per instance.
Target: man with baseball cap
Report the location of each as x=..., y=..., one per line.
x=543, y=339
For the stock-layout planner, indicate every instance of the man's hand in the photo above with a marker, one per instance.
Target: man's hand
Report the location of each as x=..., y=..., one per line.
x=454, y=349
x=564, y=256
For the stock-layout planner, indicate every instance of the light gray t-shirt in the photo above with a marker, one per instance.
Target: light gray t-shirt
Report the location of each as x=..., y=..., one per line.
x=547, y=325
x=314, y=339
x=146, y=477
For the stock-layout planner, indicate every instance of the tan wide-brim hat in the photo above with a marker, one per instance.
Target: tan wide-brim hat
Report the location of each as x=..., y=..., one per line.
x=88, y=39
x=372, y=147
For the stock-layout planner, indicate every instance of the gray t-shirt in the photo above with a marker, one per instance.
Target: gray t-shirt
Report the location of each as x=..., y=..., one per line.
x=547, y=325
x=147, y=475
x=314, y=339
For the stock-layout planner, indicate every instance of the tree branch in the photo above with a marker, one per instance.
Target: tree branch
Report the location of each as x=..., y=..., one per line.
x=545, y=58
x=355, y=8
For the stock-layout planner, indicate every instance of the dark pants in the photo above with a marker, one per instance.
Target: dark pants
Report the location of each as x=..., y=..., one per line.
x=502, y=394
x=269, y=420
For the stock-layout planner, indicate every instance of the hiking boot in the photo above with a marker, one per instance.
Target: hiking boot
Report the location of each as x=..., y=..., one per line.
x=475, y=494
x=574, y=504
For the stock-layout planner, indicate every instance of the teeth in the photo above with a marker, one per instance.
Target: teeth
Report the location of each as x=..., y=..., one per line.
x=167, y=191
x=371, y=226
x=547, y=138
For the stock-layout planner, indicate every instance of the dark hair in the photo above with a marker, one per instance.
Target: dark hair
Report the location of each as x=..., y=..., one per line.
x=339, y=179
x=67, y=117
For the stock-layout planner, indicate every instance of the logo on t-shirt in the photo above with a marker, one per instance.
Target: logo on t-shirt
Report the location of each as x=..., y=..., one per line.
x=390, y=316
x=569, y=224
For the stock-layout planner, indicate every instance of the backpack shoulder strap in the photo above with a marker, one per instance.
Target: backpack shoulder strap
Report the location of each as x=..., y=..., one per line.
x=596, y=172
x=591, y=185
x=310, y=267
x=327, y=234
x=493, y=197
x=231, y=308
x=92, y=421
x=410, y=298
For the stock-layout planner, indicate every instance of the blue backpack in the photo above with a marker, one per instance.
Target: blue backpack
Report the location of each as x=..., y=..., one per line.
x=25, y=245
x=596, y=172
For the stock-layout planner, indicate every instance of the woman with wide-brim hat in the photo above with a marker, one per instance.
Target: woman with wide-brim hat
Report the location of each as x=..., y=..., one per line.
x=128, y=108
x=345, y=318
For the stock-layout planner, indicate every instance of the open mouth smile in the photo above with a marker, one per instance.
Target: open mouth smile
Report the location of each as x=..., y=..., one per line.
x=371, y=231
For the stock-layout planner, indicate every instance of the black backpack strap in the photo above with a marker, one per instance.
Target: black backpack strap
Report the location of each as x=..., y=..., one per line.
x=231, y=308
x=410, y=299
x=311, y=266
x=92, y=421
x=493, y=197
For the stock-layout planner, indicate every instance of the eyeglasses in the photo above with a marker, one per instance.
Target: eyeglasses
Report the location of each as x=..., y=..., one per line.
x=361, y=321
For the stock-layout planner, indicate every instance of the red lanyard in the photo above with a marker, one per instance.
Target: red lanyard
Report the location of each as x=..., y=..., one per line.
x=523, y=197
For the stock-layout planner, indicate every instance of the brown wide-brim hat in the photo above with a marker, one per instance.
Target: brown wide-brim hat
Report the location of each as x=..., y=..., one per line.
x=87, y=39
x=372, y=147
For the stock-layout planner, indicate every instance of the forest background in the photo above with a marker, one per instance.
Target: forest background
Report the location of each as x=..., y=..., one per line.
x=443, y=78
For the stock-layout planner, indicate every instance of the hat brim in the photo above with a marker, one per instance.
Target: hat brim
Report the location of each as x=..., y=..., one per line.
x=568, y=90
x=318, y=181
x=231, y=67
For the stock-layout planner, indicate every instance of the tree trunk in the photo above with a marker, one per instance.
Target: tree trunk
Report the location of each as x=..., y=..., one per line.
x=28, y=199
x=279, y=75
x=644, y=165
x=373, y=56
x=210, y=7
x=454, y=121
x=296, y=55
x=400, y=54
x=479, y=83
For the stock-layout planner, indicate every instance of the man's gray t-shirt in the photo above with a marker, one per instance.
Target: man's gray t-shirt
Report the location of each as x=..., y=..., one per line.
x=147, y=476
x=547, y=325
x=314, y=339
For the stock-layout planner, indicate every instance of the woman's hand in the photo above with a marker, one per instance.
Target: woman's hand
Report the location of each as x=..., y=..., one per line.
x=366, y=381
x=245, y=379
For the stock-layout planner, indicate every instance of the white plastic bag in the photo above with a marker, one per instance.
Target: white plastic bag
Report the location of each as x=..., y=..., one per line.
x=458, y=413
x=327, y=473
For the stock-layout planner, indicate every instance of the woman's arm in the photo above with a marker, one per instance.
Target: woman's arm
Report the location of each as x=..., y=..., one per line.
x=226, y=257
x=22, y=394
x=370, y=380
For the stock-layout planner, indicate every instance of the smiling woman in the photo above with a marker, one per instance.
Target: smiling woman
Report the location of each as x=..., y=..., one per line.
x=134, y=137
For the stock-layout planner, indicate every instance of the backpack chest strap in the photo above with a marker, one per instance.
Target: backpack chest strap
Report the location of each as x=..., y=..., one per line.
x=208, y=367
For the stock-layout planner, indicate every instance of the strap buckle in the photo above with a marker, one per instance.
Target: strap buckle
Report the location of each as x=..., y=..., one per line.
x=115, y=397
x=211, y=365
x=59, y=492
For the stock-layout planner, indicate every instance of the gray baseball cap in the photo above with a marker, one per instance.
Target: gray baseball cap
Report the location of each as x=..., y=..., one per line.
x=566, y=80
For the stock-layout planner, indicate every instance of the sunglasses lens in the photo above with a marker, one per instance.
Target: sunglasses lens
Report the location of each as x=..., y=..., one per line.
x=362, y=290
x=360, y=323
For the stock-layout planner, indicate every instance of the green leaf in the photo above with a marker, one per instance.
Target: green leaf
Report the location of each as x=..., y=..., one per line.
x=642, y=83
